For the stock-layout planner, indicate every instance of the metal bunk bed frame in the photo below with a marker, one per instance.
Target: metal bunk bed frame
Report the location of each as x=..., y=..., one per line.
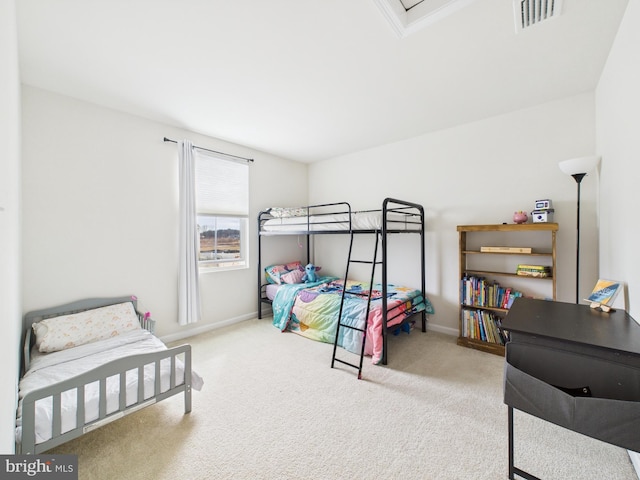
x=414, y=214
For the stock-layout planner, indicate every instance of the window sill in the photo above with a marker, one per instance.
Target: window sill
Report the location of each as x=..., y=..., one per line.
x=207, y=270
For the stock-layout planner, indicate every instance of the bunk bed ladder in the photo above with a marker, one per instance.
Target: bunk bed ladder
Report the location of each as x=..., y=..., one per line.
x=341, y=325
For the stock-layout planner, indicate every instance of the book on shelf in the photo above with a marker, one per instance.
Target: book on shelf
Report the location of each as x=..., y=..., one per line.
x=480, y=292
x=604, y=294
x=533, y=270
x=512, y=298
x=483, y=326
x=490, y=249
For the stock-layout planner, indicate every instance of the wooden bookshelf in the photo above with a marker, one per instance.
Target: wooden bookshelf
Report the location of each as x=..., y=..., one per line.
x=509, y=235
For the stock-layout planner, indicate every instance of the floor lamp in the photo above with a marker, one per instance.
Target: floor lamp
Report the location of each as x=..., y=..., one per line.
x=578, y=168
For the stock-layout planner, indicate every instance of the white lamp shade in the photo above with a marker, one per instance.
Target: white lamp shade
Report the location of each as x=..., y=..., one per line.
x=578, y=165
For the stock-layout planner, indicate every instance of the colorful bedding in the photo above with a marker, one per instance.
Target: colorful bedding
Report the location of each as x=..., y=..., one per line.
x=311, y=310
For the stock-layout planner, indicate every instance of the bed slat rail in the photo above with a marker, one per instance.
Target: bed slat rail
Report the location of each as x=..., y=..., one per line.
x=80, y=415
x=57, y=409
x=122, y=396
x=118, y=367
x=102, y=406
x=172, y=373
x=140, y=381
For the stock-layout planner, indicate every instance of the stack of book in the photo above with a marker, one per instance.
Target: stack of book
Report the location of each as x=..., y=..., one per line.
x=482, y=325
x=505, y=249
x=534, y=270
x=477, y=291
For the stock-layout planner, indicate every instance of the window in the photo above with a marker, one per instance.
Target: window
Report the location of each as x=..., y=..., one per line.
x=222, y=211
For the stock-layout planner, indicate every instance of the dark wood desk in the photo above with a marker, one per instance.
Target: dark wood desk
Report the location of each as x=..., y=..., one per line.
x=576, y=367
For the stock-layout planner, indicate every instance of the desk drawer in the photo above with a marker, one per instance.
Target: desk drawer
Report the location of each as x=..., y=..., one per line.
x=537, y=379
x=606, y=377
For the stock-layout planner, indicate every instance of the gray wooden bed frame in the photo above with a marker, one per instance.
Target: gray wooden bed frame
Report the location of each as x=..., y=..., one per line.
x=116, y=367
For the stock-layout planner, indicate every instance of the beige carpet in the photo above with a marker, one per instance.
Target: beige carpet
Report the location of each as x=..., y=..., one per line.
x=272, y=408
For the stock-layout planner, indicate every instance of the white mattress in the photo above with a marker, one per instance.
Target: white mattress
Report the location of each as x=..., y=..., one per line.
x=337, y=222
x=48, y=369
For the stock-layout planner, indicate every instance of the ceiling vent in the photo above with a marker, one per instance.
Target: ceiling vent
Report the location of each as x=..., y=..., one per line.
x=531, y=12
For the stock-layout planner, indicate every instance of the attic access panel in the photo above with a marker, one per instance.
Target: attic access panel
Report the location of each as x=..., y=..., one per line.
x=409, y=16
x=409, y=4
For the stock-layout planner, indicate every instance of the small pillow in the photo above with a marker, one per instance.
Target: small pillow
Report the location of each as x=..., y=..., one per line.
x=294, y=276
x=274, y=273
x=67, y=331
x=285, y=212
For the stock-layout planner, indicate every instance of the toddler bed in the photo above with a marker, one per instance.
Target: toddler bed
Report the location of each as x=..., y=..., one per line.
x=312, y=310
x=91, y=362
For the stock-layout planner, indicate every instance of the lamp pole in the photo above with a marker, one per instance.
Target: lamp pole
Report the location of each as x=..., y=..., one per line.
x=577, y=168
x=578, y=178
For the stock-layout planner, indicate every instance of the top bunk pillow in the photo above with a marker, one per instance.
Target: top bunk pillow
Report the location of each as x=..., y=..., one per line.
x=67, y=331
x=286, y=212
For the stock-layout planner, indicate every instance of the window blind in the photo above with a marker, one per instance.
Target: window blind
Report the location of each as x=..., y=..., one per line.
x=222, y=186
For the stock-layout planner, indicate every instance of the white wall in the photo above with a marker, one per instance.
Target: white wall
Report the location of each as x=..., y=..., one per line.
x=99, y=195
x=478, y=173
x=100, y=211
x=618, y=119
x=10, y=309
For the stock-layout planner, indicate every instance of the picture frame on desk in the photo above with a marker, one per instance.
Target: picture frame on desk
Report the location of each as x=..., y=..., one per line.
x=604, y=294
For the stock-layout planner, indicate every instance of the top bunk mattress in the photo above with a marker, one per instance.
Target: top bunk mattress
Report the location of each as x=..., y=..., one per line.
x=367, y=220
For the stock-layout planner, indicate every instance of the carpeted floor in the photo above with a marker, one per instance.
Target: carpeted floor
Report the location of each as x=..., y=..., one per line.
x=272, y=408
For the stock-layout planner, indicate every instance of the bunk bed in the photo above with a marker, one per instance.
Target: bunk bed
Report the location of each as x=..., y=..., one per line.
x=88, y=363
x=384, y=308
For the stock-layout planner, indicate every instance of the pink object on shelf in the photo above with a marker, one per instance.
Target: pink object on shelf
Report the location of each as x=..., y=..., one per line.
x=520, y=217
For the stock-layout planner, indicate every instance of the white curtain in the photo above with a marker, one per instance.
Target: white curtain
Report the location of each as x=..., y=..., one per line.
x=188, y=288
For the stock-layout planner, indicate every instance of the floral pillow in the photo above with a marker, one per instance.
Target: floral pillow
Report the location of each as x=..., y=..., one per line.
x=67, y=331
x=285, y=212
x=274, y=273
x=294, y=276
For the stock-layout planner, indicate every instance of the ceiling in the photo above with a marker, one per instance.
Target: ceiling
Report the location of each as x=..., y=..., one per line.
x=313, y=79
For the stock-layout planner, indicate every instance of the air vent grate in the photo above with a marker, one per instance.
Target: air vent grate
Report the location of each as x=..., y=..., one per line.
x=530, y=12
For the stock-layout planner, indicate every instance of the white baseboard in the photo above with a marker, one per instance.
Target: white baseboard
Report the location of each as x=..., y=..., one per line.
x=174, y=337
x=442, y=329
x=635, y=460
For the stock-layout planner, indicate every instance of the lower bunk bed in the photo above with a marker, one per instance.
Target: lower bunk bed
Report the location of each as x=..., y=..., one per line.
x=312, y=310
x=88, y=363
